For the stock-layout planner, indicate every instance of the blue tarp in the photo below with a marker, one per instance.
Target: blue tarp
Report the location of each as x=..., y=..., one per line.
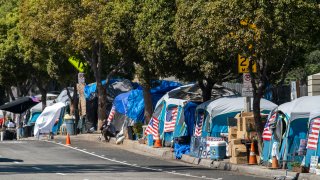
x=121, y=102
x=180, y=149
x=189, y=115
x=134, y=105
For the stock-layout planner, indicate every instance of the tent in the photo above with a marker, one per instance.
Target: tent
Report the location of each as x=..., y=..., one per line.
x=114, y=88
x=177, y=107
x=46, y=120
x=297, y=115
x=211, y=116
x=130, y=105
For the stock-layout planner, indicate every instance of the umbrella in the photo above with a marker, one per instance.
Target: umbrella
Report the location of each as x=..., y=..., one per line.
x=20, y=105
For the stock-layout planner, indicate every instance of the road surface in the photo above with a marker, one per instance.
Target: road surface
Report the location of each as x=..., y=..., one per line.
x=86, y=160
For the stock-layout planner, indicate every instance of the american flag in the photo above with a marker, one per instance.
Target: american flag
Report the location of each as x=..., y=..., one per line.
x=153, y=128
x=111, y=115
x=267, y=134
x=198, y=129
x=171, y=118
x=313, y=134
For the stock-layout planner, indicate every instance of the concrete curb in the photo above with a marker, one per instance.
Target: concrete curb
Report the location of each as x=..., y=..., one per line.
x=165, y=153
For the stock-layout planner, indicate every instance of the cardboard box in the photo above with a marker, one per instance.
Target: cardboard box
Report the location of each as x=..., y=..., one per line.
x=232, y=133
x=242, y=135
x=247, y=114
x=239, y=160
x=235, y=141
x=239, y=151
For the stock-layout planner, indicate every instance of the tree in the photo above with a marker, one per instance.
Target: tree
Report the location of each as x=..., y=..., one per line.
x=272, y=34
x=14, y=71
x=153, y=32
x=197, y=37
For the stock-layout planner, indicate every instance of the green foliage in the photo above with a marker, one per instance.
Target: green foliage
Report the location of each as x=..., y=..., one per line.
x=13, y=69
x=198, y=34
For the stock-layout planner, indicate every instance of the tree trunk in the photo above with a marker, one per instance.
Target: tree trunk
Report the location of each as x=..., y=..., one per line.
x=43, y=97
x=206, y=88
x=147, y=103
x=10, y=93
x=257, y=118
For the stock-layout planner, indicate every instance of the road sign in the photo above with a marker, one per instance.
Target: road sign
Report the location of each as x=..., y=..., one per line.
x=247, y=86
x=247, y=80
x=243, y=65
x=247, y=92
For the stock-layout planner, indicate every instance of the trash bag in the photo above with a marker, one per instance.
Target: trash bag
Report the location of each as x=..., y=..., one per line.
x=180, y=149
x=108, y=131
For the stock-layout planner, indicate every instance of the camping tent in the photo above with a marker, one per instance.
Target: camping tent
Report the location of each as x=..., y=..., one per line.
x=47, y=119
x=177, y=107
x=213, y=114
x=297, y=114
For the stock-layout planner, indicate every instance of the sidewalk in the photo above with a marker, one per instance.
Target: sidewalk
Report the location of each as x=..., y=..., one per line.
x=165, y=153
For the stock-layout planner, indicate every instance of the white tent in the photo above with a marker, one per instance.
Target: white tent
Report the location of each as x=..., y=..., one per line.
x=303, y=107
x=47, y=118
x=231, y=104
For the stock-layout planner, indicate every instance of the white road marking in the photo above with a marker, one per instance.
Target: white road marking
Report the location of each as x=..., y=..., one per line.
x=135, y=165
x=92, y=152
x=36, y=168
x=61, y=174
x=102, y=155
x=76, y=147
x=16, y=162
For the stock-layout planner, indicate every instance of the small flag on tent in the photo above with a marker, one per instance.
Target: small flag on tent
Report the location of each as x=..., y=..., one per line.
x=153, y=127
x=198, y=129
x=171, y=118
x=267, y=134
x=313, y=134
x=111, y=115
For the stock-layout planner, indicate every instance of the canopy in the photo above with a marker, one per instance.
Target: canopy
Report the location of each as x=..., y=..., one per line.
x=20, y=105
x=38, y=107
x=47, y=118
x=232, y=104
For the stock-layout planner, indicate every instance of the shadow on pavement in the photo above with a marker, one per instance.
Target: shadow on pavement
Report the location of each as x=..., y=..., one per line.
x=10, y=160
x=85, y=168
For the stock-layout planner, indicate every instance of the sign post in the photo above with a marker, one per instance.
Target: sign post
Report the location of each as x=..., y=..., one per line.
x=247, y=91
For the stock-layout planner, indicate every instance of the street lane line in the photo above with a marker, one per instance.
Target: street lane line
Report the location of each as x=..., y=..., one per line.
x=134, y=165
x=61, y=174
x=36, y=168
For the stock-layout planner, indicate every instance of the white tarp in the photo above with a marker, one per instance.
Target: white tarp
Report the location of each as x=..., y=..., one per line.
x=303, y=107
x=232, y=104
x=47, y=118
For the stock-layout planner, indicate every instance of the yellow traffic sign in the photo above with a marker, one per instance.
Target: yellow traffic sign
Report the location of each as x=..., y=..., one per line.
x=243, y=65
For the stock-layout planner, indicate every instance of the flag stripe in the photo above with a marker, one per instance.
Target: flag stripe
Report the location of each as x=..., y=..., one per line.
x=313, y=134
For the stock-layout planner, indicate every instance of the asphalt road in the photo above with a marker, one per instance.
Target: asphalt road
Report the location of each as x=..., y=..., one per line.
x=85, y=160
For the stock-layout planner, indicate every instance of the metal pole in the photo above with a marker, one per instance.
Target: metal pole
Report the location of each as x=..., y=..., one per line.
x=247, y=104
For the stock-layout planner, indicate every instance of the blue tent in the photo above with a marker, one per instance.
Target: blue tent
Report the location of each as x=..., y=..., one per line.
x=218, y=111
x=297, y=114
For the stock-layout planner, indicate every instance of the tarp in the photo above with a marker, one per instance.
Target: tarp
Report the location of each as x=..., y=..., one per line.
x=63, y=96
x=47, y=118
x=114, y=87
x=132, y=103
x=38, y=107
x=221, y=109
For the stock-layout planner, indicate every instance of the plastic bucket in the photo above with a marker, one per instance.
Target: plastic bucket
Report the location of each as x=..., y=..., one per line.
x=70, y=126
